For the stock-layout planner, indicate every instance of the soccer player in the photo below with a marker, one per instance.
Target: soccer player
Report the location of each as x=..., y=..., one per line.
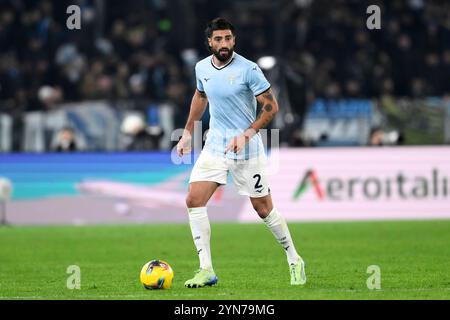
x=233, y=86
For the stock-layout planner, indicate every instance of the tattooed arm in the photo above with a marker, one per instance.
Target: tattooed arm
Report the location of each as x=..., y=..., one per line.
x=268, y=109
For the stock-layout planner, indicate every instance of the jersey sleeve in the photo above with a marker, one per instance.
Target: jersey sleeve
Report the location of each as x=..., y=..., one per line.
x=197, y=79
x=257, y=82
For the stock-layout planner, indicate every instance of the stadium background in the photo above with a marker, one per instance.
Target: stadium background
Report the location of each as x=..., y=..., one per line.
x=86, y=116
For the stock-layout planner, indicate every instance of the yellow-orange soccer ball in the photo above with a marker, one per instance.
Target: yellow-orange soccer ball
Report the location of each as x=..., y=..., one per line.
x=156, y=274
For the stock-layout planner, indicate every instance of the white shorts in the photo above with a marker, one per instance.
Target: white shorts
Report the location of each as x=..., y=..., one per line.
x=249, y=176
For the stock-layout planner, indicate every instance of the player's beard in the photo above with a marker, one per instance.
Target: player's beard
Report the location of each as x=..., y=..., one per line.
x=223, y=57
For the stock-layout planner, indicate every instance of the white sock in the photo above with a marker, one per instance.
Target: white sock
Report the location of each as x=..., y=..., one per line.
x=201, y=233
x=276, y=223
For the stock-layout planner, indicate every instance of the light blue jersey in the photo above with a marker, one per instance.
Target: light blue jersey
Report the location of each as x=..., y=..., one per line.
x=231, y=92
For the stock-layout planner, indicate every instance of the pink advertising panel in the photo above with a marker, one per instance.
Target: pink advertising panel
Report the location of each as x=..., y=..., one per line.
x=360, y=184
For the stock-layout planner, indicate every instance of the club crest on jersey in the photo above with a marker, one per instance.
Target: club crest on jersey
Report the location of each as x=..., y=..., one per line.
x=232, y=77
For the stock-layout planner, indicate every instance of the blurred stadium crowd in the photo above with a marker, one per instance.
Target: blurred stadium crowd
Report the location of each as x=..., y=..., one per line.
x=142, y=53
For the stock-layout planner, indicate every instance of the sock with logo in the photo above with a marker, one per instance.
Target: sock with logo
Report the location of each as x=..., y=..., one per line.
x=201, y=233
x=276, y=223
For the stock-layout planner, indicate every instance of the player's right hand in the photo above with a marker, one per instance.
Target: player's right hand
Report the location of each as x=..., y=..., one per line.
x=184, y=145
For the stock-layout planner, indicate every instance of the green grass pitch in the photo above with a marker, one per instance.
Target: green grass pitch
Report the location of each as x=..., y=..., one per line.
x=414, y=258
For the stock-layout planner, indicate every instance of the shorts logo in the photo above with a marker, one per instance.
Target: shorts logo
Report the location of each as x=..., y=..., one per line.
x=260, y=190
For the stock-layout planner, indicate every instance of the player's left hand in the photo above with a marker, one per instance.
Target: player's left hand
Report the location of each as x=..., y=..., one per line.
x=238, y=143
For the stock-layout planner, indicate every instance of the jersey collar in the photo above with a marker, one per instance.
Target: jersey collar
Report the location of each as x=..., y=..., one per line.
x=227, y=64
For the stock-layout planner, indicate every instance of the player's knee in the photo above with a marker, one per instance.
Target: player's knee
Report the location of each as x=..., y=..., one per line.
x=193, y=201
x=262, y=209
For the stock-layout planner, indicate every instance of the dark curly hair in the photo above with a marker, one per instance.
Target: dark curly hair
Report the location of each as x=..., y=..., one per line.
x=217, y=24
